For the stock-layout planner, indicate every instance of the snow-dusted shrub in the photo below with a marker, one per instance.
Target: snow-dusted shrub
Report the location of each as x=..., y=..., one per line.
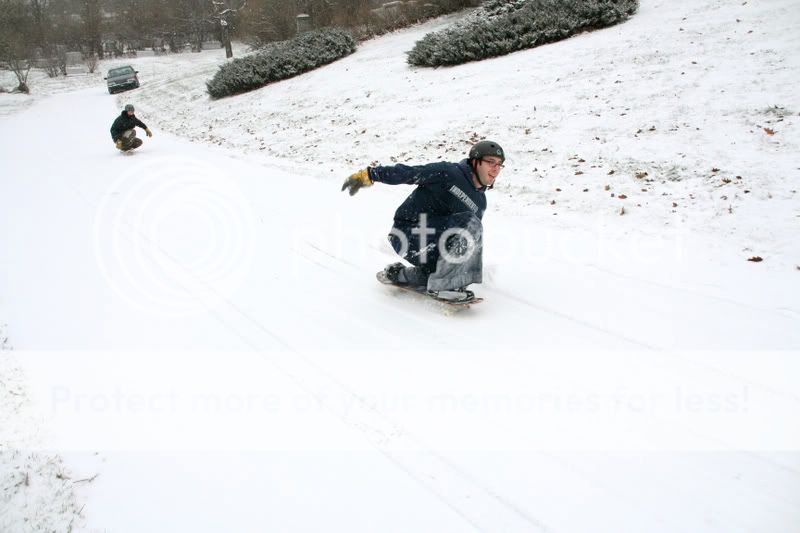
x=500, y=27
x=281, y=60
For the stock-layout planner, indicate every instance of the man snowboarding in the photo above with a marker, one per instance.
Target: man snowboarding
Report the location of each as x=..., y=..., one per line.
x=438, y=227
x=123, y=130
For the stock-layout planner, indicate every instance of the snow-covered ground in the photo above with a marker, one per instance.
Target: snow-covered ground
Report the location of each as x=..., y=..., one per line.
x=199, y=342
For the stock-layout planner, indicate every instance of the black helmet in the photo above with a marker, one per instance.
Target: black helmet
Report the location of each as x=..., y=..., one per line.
x=484, y=148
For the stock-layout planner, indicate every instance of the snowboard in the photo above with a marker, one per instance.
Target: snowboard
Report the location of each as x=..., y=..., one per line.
x=463, y=304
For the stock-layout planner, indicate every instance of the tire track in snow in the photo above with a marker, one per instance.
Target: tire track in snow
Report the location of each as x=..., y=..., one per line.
x=687, y=290
x=656, y=351
x=470, y=498
x=473, y=500
x=575, y=320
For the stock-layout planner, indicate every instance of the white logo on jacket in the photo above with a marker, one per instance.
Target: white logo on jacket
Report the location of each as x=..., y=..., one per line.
x=461, y=195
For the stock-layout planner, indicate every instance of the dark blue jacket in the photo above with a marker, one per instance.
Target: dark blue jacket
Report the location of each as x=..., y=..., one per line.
x=443, y=189
x=124, y=123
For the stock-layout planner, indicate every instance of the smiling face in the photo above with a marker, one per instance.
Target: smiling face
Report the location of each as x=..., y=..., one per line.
x=487, y=169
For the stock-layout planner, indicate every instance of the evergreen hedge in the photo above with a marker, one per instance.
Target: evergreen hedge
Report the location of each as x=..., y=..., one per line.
x=279, y=61
x=504, y=26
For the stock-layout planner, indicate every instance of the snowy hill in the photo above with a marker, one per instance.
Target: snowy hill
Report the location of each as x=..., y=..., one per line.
x=198, y=324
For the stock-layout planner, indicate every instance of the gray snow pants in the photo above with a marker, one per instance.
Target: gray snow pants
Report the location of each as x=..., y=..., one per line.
x=447, y=252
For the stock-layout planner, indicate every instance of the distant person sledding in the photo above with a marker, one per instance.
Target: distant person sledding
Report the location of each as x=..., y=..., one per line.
x=123, y=130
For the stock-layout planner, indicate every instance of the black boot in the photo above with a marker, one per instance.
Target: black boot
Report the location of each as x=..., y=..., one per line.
x=395, y=273
x=402, y=275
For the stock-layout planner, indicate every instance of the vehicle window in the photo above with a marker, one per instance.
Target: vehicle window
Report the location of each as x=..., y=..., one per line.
x=120, y=71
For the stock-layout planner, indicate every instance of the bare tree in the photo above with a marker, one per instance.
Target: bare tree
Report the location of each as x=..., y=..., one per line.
x=91, y=63
x=40, y=23
x=21, y=68
x=61, y=25
x=224, y=13
x=266, y=21
x=92, y=22
x=320, y=11
x=352, y=13
x=52, y=66
x=191, y=18
x=16, y=51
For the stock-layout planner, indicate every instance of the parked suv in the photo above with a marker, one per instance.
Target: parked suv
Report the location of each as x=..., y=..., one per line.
x=122, y=79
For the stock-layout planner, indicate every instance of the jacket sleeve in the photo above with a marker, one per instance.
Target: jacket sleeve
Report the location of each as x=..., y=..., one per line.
x=404, y=174
x=141, y=124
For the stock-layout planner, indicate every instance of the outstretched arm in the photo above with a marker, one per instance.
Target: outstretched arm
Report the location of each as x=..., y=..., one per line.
x=145, y=128
x=392, y=175
x=404, y=174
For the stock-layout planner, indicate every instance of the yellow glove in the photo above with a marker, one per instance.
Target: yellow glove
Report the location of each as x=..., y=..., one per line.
x=148, y=132
x=118, y=144
x=356, y=181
